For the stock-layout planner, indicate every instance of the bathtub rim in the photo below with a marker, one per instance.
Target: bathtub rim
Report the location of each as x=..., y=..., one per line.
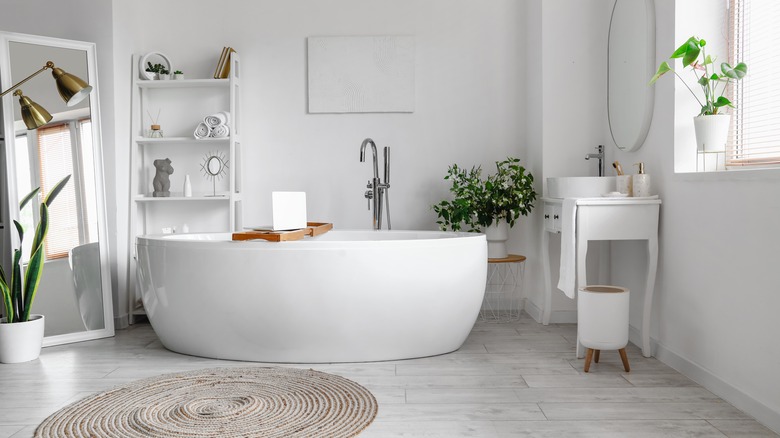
x=448, y=238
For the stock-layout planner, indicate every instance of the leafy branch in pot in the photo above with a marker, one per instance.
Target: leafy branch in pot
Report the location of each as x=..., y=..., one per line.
x=706, y=77
x=477, y=203
x=19, y=293
x=156, y=68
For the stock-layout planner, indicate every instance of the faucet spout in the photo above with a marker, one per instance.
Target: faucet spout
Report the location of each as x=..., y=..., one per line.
x=368, y=141
x=600, y=156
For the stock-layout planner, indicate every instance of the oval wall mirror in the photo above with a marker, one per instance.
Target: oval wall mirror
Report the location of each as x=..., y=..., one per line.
x=630, y=65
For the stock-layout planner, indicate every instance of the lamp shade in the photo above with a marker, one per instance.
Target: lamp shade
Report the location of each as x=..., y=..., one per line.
x=34, y=115
x=72, y=89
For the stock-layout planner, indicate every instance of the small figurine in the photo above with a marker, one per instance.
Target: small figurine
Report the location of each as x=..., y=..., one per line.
x=161, y=181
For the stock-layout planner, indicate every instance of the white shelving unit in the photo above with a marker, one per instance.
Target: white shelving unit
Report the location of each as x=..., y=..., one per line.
x=181, y=105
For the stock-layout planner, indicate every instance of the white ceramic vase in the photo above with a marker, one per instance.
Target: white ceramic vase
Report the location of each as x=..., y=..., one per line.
x=497, y=235
x=21, y=341
x=712, y=132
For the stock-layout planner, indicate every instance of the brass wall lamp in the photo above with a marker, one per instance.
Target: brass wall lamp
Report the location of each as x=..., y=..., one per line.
x=72, y=89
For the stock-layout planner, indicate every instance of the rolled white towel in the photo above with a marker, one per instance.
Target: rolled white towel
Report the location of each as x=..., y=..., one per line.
x=220, y=118
x=202, y=131
x=220, y=131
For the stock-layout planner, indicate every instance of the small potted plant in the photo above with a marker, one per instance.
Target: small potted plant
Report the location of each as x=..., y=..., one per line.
x=21, y=333
x=711, y=127
x=159, y=70
x=178, y=75
x=164, y=74
x=493, y=204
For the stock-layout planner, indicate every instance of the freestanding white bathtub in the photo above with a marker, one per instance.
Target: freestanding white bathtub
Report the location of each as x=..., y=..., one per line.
x=344, y=296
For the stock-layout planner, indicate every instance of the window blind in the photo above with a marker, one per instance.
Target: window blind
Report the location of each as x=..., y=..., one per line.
x=54, y=150
x=754, y=137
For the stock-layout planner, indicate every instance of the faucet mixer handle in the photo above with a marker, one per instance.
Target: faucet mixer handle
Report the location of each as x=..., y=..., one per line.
x=369, y=195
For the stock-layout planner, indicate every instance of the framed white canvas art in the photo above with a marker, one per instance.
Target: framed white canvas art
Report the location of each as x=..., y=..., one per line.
x=373, y=74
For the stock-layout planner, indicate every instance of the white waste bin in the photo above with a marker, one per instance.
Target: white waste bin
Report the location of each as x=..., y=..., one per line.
x=602, y=321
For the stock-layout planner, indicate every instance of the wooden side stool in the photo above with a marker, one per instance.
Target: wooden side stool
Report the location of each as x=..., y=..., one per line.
x=602, y=322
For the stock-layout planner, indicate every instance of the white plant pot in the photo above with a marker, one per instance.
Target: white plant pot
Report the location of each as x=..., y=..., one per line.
x=712, y=132
x=178, y=76
x=21, y=341
x=497, y=235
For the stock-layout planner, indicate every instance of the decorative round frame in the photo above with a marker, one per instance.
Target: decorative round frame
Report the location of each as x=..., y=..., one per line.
x=144, y=59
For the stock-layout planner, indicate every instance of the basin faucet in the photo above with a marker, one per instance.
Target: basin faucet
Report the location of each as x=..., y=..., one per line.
x=600, y=156
x=377, y=191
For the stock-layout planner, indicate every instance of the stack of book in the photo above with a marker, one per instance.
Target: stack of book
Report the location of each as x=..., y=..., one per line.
x=223, y=66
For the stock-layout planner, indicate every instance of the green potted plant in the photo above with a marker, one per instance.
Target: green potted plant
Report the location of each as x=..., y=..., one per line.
x=711, y=126
x=21, y=333
x=493, y=204
x=158, y=69
x=178, y=75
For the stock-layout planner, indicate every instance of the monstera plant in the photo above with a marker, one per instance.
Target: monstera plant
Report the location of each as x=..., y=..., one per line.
x=711, y=125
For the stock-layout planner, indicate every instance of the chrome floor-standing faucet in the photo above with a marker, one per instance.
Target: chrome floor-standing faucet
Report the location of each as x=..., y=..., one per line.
x=377, y=191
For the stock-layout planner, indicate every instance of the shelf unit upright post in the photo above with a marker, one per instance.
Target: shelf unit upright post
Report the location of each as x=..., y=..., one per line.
x=184, y=103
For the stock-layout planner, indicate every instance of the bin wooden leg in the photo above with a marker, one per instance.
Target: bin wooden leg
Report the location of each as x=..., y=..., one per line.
x=596, y=356
x=588, y=357
x=624, y=358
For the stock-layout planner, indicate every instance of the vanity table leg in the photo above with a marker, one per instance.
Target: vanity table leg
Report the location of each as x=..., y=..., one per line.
x=582, y=280
x=547, y=278
x=652, y=266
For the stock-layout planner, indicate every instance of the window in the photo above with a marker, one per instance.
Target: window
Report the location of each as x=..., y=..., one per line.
x=754, y=138
x=56, y=158
x=44, y=157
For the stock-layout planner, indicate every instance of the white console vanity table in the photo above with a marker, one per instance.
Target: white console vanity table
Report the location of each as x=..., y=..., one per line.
x=605, y=219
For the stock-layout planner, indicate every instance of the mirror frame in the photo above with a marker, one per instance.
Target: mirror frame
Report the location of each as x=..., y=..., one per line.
x=649, y=91
x=10, y=158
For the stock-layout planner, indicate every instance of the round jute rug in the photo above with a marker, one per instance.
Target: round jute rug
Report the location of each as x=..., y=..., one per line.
x=221, y=402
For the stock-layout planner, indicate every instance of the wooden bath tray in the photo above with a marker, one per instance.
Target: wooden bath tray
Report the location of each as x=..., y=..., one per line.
x=312, y=229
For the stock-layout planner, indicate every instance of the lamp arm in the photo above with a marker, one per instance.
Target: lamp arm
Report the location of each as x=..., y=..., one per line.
x=49, y=64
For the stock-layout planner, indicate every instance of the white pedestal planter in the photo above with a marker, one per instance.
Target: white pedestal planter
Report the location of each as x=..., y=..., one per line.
x=712, y=132
x=21, y=341
x=497, y=235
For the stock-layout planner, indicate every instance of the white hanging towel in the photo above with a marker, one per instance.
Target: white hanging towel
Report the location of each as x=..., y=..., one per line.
x=220, y=131
x=220, y=118
x=567, y=281
x=202, y=131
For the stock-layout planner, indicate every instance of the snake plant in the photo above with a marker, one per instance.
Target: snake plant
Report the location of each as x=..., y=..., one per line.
x=19, y=293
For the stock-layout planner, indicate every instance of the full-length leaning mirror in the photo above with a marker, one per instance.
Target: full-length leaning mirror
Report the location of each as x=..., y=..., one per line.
x=75, y=290
x=630, y=65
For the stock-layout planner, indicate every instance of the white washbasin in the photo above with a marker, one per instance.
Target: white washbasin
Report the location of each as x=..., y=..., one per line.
x=579, y=186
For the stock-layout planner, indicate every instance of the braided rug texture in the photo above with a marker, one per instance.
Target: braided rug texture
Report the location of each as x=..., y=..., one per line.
x=221, y=402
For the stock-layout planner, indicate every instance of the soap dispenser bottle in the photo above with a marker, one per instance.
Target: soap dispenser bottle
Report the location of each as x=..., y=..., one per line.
x=641, y=182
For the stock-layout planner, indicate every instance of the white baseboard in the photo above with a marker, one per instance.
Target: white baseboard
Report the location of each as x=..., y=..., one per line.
x=737, y=397
x=556, y=316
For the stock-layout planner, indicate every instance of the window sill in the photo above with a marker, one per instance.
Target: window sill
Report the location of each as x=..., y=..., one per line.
x=763, y=174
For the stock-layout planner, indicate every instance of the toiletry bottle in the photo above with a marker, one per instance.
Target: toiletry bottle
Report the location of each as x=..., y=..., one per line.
x=641, y=182
x=623, y=182
x=187, y=187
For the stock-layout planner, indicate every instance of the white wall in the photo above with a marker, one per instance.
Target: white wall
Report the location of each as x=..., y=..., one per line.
x=470, y=106
x=715, y=316
x=567, y=106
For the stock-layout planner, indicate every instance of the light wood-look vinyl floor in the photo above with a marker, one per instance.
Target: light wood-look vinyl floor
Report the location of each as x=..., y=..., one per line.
x=515, y=379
